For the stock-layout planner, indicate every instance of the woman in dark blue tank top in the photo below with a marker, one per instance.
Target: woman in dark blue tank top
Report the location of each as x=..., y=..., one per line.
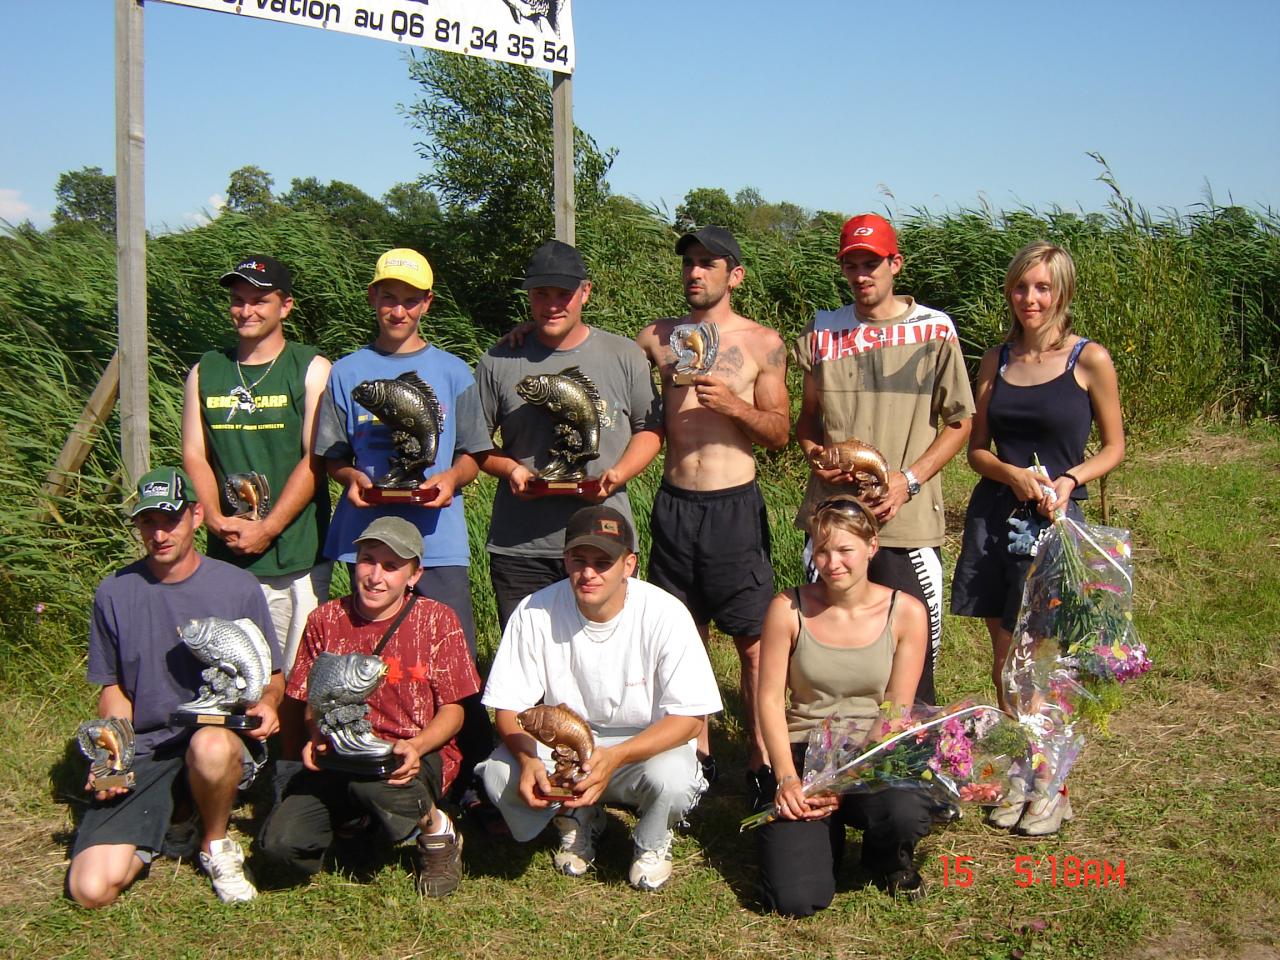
x=1038, y=396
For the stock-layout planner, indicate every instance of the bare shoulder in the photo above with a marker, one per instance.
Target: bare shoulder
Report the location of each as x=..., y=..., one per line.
x=1095, y=357
x=909, y=612
x=655, y=335
x=763, y=342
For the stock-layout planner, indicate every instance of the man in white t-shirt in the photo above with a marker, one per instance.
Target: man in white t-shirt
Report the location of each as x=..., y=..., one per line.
x=626, y=656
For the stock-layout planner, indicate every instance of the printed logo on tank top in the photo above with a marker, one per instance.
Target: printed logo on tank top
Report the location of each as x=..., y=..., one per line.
x=826, y=345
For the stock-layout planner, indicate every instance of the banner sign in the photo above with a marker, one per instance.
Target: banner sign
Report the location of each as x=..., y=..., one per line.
x=533, y=33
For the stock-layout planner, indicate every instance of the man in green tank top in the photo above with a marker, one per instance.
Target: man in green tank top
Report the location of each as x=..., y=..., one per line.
x=251, y=408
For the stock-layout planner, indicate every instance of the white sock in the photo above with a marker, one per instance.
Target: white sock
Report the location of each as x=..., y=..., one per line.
x=446, y=829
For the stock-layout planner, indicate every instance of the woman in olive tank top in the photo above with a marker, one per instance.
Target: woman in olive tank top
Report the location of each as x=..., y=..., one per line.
x=841, y=646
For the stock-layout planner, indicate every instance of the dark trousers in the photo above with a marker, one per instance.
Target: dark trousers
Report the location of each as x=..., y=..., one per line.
x=299, y=830
x=799, y=858
x=452, y=587
x=514, y=578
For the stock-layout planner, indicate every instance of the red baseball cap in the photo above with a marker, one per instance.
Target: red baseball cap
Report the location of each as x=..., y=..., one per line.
x=868, y=231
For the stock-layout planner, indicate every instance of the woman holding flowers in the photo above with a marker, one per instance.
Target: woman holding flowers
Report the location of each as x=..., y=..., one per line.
x=1038, y=396
x=841, y=646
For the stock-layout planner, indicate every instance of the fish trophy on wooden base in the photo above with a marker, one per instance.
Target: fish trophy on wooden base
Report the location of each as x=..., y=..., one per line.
x=695, y=346
x=866, y=467
x=573, y=403
x=568, y=735
x=248, y=495
x=238, y=667
x=338, y=690
x=411, y=409
x=109, y=745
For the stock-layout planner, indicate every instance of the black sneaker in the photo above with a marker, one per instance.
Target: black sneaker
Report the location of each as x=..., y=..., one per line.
x=907, y=884
x=762, y=786
x=709, y=771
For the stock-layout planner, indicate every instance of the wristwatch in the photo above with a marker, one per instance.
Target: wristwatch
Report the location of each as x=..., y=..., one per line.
x=913, y=485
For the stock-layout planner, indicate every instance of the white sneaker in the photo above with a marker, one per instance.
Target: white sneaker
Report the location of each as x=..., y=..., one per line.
x=652, y=868
x=224, y=863
x=579, y=831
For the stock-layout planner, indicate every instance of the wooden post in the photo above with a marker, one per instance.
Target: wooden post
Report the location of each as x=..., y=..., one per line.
x=95, y=413
x=562, y=136
x=131, y=245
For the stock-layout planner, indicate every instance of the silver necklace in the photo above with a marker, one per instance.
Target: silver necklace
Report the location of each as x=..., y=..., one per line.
x=595, y=631
x=243, y=394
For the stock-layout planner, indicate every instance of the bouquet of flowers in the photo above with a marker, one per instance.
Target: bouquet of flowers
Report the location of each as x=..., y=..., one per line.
x=960, y=753
x=1075, y=635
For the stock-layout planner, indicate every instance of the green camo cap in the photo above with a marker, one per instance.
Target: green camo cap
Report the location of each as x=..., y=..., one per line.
x=164, y=488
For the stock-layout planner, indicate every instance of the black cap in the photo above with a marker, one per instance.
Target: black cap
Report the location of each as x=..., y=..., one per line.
x=554, y=264
x=601, y=527
x=266, y=273
x=718, y=240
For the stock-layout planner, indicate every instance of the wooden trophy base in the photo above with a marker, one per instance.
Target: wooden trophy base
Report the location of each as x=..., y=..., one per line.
x=113, y=781
x=232, y=721
x=554, y=793
x=586, y=487
x=685, y=379
x=381, y=496
x=367, y=768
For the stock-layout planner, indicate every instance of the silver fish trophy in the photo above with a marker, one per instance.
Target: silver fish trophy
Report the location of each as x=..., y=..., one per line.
x=573, y=403
x=411, y=409
x=695, y=346
x=338, y=690
x=248, y=495
x=238, y=660
x=109, y=745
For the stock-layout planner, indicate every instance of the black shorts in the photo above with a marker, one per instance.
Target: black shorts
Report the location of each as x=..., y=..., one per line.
x=988, y=579
x=711, y=549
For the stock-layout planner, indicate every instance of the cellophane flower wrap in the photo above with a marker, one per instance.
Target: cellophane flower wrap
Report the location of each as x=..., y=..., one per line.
x=962, y=753
x=1074, y=641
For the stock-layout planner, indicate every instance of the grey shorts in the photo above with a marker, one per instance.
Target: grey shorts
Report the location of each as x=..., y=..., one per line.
x=141, y=817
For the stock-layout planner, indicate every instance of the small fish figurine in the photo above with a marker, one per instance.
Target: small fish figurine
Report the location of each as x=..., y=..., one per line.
x=573, y=403
x=248, y=495
x=695, y=346
x=868, y=466
x=338, y=688
x=109, y=745
x=568, y=735
x=238, y=660
x=411, y=409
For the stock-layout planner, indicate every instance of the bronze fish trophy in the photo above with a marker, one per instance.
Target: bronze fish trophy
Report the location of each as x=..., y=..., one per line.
x=109, y=745
x=568, y=735
x=863, y=462
x=338, y=690
x=248, y=495
x=573, y=403
x=238, y=666
x=695, y=346
x=411, y=409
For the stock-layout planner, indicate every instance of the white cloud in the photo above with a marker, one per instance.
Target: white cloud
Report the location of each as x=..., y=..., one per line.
x=215, y=203
x=13, y=208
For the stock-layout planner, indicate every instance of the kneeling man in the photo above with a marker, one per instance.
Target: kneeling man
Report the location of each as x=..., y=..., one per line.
x=627, y=657
x=146, y=672
x=417, y=707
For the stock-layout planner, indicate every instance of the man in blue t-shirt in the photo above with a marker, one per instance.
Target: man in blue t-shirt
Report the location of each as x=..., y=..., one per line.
x=146, y=672
x=358, y=449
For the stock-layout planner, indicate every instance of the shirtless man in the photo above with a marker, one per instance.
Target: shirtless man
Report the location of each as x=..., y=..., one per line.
x=710, y=531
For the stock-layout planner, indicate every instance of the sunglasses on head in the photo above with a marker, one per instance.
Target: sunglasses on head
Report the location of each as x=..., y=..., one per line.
x=850, y=507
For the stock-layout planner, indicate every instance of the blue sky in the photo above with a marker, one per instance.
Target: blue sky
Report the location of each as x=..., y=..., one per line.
x=832, y=105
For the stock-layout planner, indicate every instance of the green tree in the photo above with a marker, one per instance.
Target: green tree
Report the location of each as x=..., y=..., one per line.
x=487, y=133
x=705, y=206
x=249, y=191
x=345, y=204
x=86, y=196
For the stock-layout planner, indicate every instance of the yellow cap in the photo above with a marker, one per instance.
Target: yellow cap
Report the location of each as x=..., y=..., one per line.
x=404, y=264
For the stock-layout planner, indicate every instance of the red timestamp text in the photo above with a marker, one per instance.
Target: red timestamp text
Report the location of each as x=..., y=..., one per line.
x=1049, y=870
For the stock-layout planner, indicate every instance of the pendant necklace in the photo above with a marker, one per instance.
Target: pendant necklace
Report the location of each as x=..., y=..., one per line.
x=243, y=394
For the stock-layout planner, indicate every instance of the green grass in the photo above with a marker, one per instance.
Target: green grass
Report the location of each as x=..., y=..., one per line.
x=1183, y=790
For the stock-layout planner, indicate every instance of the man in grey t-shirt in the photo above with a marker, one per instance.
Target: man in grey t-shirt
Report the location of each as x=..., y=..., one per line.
x=526, y=536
